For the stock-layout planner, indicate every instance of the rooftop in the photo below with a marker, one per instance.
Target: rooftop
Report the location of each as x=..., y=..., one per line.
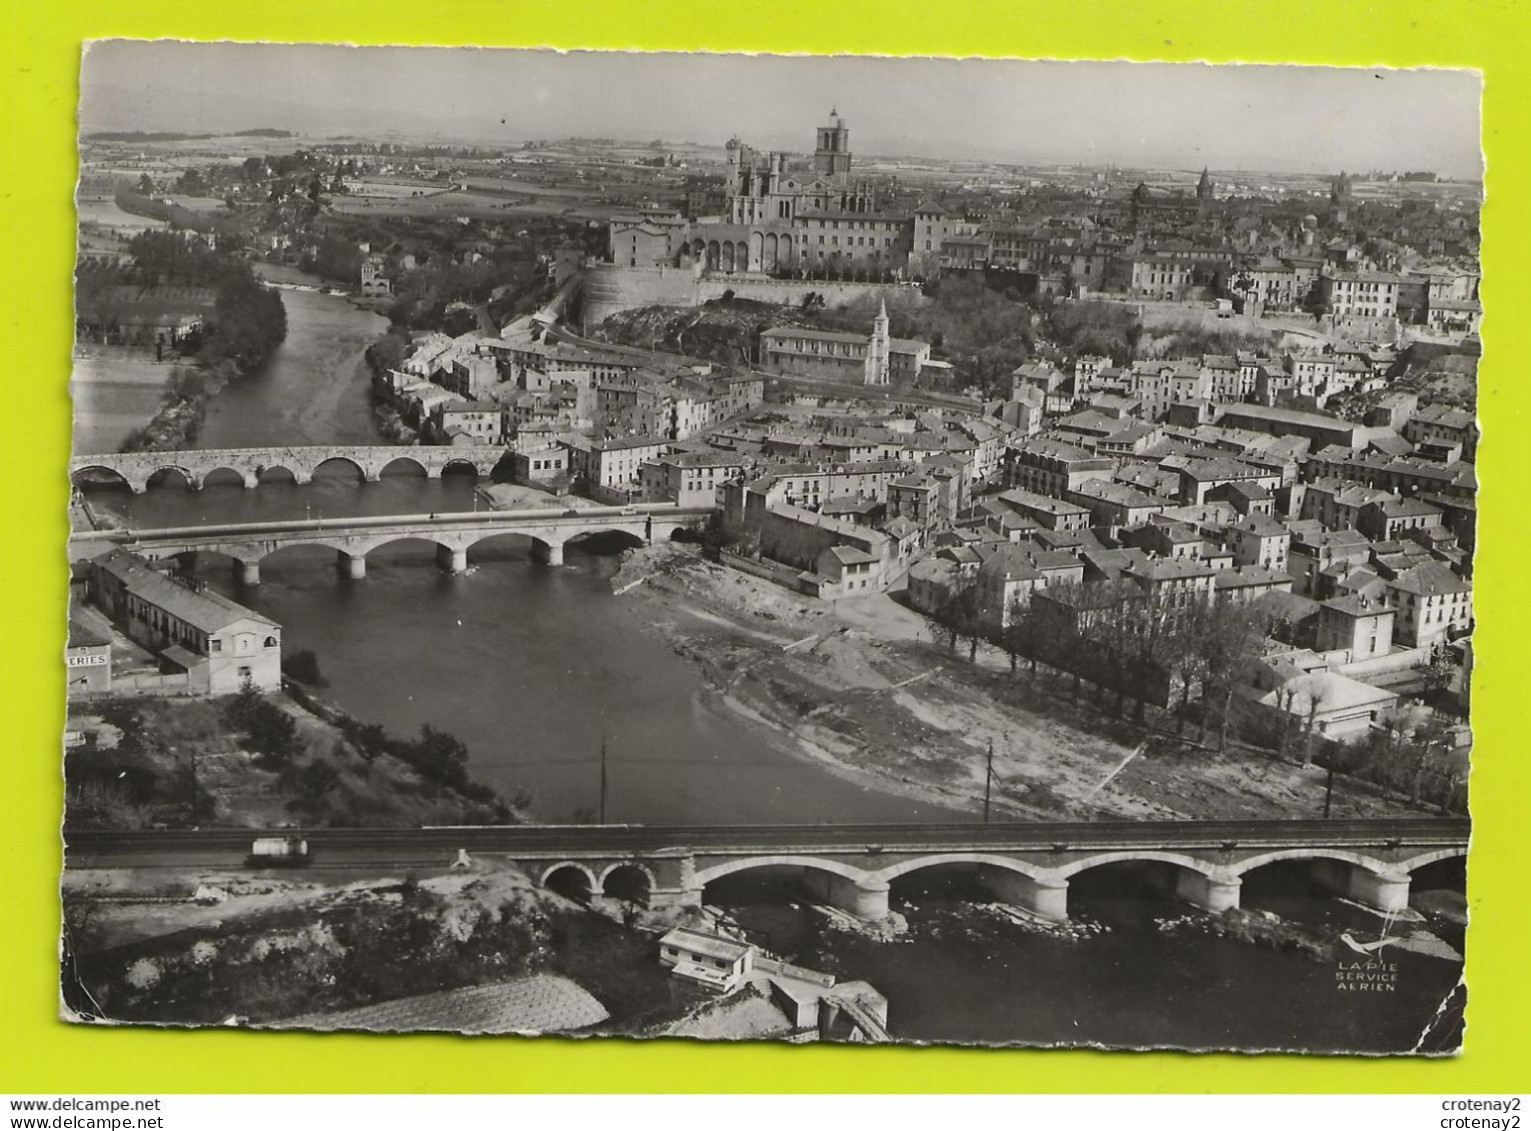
x=200, y=608
x=542, y=1003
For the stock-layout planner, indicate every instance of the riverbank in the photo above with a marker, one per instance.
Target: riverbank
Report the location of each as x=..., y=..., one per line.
x=116, y=391
x=188, y=391
x=861, y=687
x=180, y=762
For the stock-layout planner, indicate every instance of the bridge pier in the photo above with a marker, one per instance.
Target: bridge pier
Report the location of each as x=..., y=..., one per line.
x=248, y=573
x=355, y=565
x=1044, y=898
x=1387, y=892
x=1210, y=893
x=252, y=480
x=453, y=561
x=867, y=899
x=551, y=553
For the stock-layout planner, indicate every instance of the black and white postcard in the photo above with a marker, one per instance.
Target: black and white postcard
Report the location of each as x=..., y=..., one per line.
x=748, y=547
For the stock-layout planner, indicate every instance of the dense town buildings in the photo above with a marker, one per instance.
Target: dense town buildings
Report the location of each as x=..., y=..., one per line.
x=1191, y=476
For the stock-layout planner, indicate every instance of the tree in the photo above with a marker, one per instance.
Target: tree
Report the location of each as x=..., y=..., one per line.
x=240, y=710
x=442, y=754
x=1318, y=697
x=185, y=384
x=1438, y=674
x=960, y=618
x=1016, y=636
x=369, y=739
x=1229, y=637
x=1429, y=750
x=317, y=779
x=303, y=666
x=269, y=732
x=273, y=735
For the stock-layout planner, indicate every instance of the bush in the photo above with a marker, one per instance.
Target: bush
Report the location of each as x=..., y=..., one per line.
x=303, y=666
x=268, y=732
x=316, y=779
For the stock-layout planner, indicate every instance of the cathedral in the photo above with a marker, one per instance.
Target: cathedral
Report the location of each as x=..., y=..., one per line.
x=776, y=220
x=1150, y=205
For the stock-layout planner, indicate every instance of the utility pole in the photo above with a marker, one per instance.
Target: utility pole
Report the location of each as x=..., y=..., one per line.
x=988, y=781
x=1329, y=792
x=602, y=811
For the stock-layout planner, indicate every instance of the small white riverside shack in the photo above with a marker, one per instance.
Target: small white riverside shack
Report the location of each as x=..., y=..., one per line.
x=714, y=961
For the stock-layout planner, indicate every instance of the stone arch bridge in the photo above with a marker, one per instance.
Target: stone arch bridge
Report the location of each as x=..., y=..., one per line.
x=354, y=538
x=1026, y=865
x=852, y=867
x=138, y=468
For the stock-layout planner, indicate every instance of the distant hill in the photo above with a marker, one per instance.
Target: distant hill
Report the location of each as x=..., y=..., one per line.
x=173, y=135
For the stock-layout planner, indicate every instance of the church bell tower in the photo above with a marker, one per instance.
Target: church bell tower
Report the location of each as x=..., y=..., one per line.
x=832, y=154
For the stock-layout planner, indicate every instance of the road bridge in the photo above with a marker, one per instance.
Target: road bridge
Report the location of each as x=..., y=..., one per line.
x=137, y=469
x=453, y=534
x=853, y=867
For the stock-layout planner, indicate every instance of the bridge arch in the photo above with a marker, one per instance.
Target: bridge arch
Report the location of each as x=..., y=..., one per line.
x=362, y=548
x=1435, y=856
x=1021, y=867
x=569, y=879
x=294, y=553
x=705, y=876
x=1359, y=860
x=220, y=476
x=115, y=477
x=399, y=463
x=160, y=476
x=330, y=461
x=629, y=880
x=1136, y=855
x=632, y=536
x=276, y=473
x=225, y=555
x=460, y=465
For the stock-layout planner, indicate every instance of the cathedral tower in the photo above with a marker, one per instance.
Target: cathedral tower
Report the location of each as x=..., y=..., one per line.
x=832, y=154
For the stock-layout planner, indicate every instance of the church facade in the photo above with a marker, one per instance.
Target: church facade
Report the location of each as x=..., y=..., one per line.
x=877, y=359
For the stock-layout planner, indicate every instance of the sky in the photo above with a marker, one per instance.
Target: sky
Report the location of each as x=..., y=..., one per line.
x=1269, y=118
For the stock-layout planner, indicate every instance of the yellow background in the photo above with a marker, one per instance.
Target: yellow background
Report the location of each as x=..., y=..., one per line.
x=42, y=45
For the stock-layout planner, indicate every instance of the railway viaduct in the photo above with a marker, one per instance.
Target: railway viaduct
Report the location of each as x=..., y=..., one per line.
x=1030, y=866
x=853, y=867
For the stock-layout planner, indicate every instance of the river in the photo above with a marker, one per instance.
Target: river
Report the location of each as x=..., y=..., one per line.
x=1144, y=974
x=537, y=668
x=313, y=388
